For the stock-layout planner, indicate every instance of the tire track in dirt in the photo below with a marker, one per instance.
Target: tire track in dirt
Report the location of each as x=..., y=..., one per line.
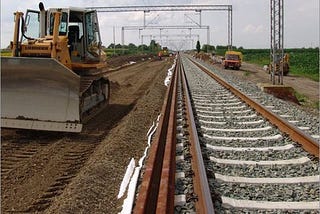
x=38, y=165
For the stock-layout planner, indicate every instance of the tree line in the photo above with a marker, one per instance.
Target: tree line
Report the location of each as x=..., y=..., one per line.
x=118, y=49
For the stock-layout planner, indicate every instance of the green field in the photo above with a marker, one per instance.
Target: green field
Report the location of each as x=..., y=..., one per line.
x=5, y=53
x=302, y=61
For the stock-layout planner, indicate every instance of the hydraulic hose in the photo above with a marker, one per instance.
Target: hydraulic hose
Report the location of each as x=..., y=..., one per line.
x=23, y=29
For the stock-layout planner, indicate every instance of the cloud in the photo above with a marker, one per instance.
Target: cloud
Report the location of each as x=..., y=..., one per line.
x=250, y=28
x=251, y=24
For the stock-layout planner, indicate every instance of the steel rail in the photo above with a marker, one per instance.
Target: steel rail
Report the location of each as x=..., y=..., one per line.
x=165, y=202
x=201, y=184
x=307, y=142
x=159, y=170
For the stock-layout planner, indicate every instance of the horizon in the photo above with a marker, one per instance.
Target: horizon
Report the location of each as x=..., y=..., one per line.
x=251, y=27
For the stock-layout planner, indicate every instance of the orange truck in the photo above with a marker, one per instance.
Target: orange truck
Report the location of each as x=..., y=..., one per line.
x=232, y=59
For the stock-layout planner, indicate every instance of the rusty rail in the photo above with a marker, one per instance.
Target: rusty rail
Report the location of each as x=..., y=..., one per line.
x=201, y=184
x=156, y=194
x=160, y=165
x=165, y=202
x=307, y=142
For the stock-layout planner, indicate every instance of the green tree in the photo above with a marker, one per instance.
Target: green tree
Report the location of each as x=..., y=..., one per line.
x=118, y=46
x=143, y=47
x=111, y=45
x=153, y=45
x=132, y=46
x=198, y=46
x=208, y=48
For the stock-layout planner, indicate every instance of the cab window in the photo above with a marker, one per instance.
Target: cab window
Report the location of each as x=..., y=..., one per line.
x=91, y=22
x=63, y=24
x=32, y=23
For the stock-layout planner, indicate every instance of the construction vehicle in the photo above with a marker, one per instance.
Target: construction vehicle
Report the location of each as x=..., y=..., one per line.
x=54, y=79
x=232, y=59
x=163, y=53
x=285, y=62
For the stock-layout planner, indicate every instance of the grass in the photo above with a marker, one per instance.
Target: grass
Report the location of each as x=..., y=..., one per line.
x=317, y=105
x=302, y=62
x=5, y=53
x=246, y=73
x=301, y=98
x=305, y=63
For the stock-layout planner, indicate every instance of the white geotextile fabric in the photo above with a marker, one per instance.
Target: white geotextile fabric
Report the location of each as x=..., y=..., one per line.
x=128, y=202
x=170, y=72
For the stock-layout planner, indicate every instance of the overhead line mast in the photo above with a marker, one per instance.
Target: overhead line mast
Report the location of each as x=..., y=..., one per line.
x=196, y=8
x=276, y=41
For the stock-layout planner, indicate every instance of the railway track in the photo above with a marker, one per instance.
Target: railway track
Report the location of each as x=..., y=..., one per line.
x=222, y=151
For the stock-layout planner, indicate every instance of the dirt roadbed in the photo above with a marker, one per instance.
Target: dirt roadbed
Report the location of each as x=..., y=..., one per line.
x=304, y=86
x=47, y=172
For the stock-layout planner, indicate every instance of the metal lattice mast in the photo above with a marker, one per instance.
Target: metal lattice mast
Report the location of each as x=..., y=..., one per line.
x=276, y=41
x=230, y=27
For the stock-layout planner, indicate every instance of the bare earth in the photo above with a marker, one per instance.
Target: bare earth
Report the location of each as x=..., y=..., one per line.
x=255, y=74
x=43, y=172
x=96, y=187
x=81, y=173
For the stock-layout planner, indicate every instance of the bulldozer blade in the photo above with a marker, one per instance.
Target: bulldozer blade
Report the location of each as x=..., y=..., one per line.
x=39, y=93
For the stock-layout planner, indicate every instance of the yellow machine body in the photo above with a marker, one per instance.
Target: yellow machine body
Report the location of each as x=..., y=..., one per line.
x=284, y=62
x=54, y=76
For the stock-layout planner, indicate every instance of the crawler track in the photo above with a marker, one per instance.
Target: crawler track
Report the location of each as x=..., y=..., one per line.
x=254, y=160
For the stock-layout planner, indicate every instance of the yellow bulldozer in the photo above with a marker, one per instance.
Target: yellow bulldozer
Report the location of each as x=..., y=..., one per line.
x=54, y=78
x=163, y=53
x=283, y=62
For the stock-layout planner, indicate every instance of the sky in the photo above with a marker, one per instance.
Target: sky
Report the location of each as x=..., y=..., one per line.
x=251, y=22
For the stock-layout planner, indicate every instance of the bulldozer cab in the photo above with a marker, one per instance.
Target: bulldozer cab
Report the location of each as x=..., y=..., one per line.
x=52, y=78
x=79, y=26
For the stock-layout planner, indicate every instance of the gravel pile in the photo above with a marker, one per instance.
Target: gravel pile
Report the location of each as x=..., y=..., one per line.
x=280, y=107
x=240, y=143
x=275, y=171
x=183, y=183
